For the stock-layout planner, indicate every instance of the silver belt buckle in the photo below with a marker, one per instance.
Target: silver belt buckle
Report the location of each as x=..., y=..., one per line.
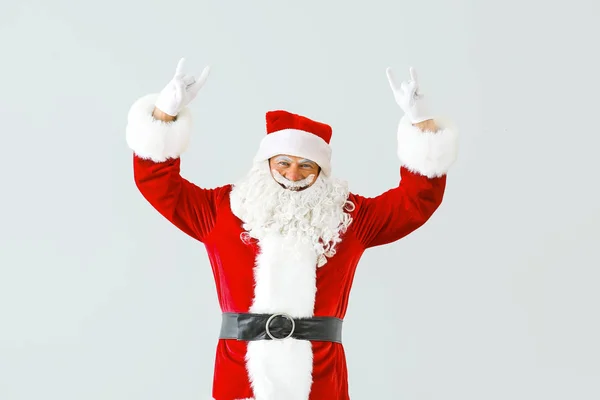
x=282, y=315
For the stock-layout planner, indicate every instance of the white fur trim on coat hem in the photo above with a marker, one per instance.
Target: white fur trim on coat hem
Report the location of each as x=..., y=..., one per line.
x=153, y=139
x=285, y=282
x=427, y=153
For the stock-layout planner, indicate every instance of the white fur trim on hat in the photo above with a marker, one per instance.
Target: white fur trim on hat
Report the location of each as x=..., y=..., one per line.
x=296, y=143
x=153, y=139
x=428, y=153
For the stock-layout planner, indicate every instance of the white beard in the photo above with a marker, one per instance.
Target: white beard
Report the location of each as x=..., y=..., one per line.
x=318, y=213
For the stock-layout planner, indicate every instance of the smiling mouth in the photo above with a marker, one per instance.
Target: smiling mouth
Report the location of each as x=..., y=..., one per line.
x=293, y=188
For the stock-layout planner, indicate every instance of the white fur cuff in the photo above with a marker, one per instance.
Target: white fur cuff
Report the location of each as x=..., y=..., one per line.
x=157, y=140
x=428, y=153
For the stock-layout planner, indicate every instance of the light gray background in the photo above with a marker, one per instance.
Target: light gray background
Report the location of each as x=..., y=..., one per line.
x=495, y=298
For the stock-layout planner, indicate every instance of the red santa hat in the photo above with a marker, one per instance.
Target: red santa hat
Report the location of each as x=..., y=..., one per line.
x=298, y=136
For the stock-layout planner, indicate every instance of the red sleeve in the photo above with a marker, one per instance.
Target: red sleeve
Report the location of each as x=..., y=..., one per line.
x=399, y=211
x=190, y=208
x=157, y=147
x=425, y=160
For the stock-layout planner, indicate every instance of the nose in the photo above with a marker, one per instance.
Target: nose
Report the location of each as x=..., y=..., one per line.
x=293, y=174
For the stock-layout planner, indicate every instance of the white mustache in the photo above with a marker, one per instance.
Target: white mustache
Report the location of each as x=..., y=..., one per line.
x=301, y=184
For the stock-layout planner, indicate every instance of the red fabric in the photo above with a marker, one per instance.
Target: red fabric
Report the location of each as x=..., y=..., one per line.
x=205, y=215
x=280, y=119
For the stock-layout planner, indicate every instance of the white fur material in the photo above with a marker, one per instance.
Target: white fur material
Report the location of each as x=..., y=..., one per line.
x=428, y=153
x=285, y=278
x=296, y=143
x=156, y=140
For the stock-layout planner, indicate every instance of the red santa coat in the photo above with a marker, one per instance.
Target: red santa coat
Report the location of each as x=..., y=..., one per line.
x=246, y=274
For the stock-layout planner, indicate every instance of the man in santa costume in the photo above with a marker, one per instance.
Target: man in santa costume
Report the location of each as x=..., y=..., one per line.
x=284, y=242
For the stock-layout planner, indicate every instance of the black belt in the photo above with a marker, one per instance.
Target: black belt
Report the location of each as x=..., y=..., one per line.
x=279, y=326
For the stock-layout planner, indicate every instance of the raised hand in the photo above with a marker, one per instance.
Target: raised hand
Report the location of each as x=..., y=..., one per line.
x=181, y=90
x=408, y=97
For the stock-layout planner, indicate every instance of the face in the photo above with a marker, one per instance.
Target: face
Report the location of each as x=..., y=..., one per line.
x=294, y=173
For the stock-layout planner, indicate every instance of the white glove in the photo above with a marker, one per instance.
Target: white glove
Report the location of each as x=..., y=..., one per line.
x=180, y=91
x=408, y=97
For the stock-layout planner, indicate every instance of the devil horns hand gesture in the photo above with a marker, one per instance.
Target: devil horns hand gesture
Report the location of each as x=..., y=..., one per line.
x=181, y=90
x=408, y=97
